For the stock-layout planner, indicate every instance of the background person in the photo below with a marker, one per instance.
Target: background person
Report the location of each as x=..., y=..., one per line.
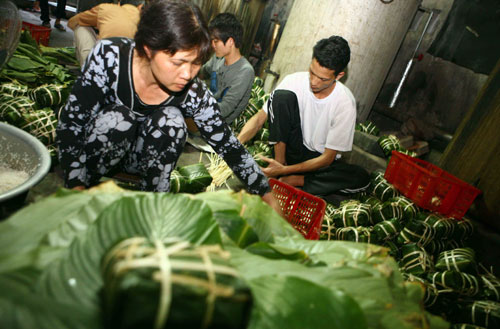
x=231, y=75
x=60, y=13
x=127, y=108
x=311, y=120
x=105, y=20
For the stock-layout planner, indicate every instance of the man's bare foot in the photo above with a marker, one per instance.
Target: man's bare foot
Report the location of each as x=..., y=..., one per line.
x=293, y=180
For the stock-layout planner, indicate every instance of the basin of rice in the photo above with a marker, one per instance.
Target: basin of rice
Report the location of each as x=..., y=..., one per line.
x=24, y=161
x=10, y=178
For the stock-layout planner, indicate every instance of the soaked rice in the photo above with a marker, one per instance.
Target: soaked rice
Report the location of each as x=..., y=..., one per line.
x=10, y=178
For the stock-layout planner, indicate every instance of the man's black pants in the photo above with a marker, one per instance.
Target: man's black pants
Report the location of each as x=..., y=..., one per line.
x=284, y=126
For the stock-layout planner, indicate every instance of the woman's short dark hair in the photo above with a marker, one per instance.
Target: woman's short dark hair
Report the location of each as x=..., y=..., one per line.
x=173, y=25
x=333, y=53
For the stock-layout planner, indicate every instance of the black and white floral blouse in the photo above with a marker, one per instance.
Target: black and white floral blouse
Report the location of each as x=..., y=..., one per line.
x=107, y=80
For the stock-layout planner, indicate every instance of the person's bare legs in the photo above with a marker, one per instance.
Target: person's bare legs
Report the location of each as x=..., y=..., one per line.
x=293, y=180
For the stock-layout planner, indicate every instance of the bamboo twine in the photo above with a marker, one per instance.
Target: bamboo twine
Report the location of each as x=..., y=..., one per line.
x=159, y=257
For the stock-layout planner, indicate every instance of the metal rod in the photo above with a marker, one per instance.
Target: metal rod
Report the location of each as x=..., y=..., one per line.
x=423, y=32
x=400, y=84
x=395, y=96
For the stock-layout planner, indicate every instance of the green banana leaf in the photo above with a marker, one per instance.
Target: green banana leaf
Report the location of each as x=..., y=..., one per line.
x=31, y=51
x=19, y=77
x=27, y=40
x=52, y=223
x=63, y=54
x=272, y=251
x=236, y=228
x=266, y=223
x=350, y=285
x=24, y=64
x=362, y=271
x=24, y=309
x=76, y=279
x=291, y=302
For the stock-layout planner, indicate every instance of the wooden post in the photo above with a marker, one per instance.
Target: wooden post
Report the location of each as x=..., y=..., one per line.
x=474, y=153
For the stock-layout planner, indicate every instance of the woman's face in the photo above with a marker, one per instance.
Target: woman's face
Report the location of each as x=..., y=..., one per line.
x=174, y=71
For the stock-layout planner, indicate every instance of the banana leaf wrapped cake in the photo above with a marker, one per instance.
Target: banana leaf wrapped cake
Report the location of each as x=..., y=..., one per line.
x=415, y=260
x=356, y=234
x=389, y=143
x=49, y=94
x=368, y=127
x=435, y=247
x=464, y=229
x=371, y=200
x=13, y=108
x=384, y=190
x=327, y=226
x=483, y=313
x=387, y=229
x=196, y=178
x=459, y=259
x=13, y=89
x=386, y=211
x=443, y=226
x=410, y=210
x=177, y=182
x=490, y=285
x=352, y=213
x=172, y=285
x=455, y=282
x=431, y=294
x=418, y=232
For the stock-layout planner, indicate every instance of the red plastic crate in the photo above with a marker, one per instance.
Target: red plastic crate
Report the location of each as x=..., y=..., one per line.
x=41, y=34
x=429, y=186
x=303, y=210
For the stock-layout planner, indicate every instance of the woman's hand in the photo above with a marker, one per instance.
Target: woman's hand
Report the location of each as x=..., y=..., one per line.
x=273, y=202
x=274, y=169
x=78, y=188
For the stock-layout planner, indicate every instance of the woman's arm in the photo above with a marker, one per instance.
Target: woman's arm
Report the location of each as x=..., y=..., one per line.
x=86, y=98
x=207, y=117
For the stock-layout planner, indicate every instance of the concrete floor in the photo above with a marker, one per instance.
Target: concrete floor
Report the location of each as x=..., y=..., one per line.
x=57, y=38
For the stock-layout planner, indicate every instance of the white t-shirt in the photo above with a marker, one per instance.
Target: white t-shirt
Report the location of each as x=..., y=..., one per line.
x=328, y=122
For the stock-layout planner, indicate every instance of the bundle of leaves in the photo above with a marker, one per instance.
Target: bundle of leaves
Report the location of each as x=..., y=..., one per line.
x=368, y=127
x=51, y=253
x=34, y=85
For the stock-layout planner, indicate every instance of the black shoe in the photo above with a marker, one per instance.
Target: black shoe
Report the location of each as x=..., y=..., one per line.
x=46, y=24
x=60, y=27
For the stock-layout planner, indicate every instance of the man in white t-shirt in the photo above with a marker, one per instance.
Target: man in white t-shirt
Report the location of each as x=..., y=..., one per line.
x=311, y=120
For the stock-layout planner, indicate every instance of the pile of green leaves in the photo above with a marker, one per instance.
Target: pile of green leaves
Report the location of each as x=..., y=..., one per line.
x=51, y=251
x=34, y=66
x=34, y=85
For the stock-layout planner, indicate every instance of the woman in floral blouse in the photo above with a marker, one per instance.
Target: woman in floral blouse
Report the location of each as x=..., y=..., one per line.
x=126, y=111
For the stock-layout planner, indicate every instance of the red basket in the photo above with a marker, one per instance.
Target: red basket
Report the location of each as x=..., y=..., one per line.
x=41, y=34
x=303, y=210
x=429, y=186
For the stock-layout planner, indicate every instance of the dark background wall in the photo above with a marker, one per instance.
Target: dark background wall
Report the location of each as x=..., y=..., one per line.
x=443, y=84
